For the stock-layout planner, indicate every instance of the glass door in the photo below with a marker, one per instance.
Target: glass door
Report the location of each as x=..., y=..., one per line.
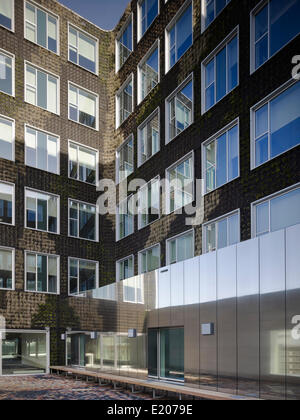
x=153, y=337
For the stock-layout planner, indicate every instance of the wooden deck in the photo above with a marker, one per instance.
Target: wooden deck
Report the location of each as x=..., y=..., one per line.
x=153, y=385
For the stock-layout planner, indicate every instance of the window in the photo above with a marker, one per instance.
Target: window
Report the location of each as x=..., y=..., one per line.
x=83, y=163
x=83, y=221
x=7, y=268
x=124, y=44
x=41, y=89
x=83, y=276
x=7, y=14
x=220, y=72
x=273, y=25
x=42, y=273
x=221, y=158
x=148, y=73
x=7, y=203
x=221, y=232
x=125, y=218
x=41, y=150
x=210, y=10
x=179, y=110
x=180, y=186
x=83, y=106
x=41, y=27
x=41, y=211
x=83, y=49
x=276, y=212
x=275, y=124
x=149, y=203
x=179, y=35
x=180, y=248
x=149, y=138
x=147, y=12
x=7, y=73
x=124, y=102
x=149, y=259
x=125, y=268
x=7, y=138
x=125, y=160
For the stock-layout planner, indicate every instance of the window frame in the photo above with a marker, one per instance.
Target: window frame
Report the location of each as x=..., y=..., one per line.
x=118, y=267
x=127, y=140
x=10, y=184
x=118, y=66
x=12, y=20
x=96, y=220
x=117, y=101
x=213, y=138
x=13, y=121
x=203, y=15
x=36, y=253
x=97, y=162
x=88, y=35
x=235, y=33
x=169, y=240
x=152, y=181
x=118, y=238
x=170, y=25
x=48, y=12
x=76, y=86
x=58, y=211
x=48, y=134
x=268, y=199
x=13, y=259
x=266, y=100
x=216, y=220
x=13, y=75
x=140, y=253
x=139, y=130
x=155, y=46
x=79, y=295
x=139, y=22
x=167, y=177
x=48, y=73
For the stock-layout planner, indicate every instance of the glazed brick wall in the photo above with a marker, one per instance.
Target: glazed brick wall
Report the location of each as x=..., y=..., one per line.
x=252, y=185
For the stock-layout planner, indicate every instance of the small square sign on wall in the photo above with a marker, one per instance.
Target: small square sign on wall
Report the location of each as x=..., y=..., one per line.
x=132, y=333
x=208, y=329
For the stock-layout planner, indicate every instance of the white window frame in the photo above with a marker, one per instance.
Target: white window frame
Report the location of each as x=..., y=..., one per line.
x=141, y=127
x=75, y=143
x=173, y=22
x=58, y=211
x=48, y=73
x=153, y=181
x=167, y=177
x=25, y=272
x=88, y=35
x=97, y=105
x=117, y=100
x=268, y=199
x=139, y=19
x=13, y=259
x=175, y=238
x=48, y=134
x=118, y=66
x=155, y=46
x=189, y=79
x=140, y=254
x=12, y=20
x=131, y=137
x=118, y=239
x=118, y=267
x=213, y=138
x=13, y=203
x=12, y=57
x=253, y=13
x=79, y=295
x=204, y=14
x=48, y=12
x=4, y=117
x=253, y=110
x=211, y=56
x=216, y=220
x=96, y=224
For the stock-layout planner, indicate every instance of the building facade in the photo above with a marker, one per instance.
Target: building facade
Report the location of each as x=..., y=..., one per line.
x=181, y=90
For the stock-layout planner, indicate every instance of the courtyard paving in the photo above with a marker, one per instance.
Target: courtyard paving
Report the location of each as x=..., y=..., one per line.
x=54, y=388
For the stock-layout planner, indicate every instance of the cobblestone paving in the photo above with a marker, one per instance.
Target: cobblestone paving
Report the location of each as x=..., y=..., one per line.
x=58, y=388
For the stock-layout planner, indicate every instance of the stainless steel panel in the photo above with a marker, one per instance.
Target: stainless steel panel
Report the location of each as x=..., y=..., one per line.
x=164, y=297
x=177, y=294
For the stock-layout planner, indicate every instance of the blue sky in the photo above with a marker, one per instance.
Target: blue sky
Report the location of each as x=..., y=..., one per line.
x=104, y=13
